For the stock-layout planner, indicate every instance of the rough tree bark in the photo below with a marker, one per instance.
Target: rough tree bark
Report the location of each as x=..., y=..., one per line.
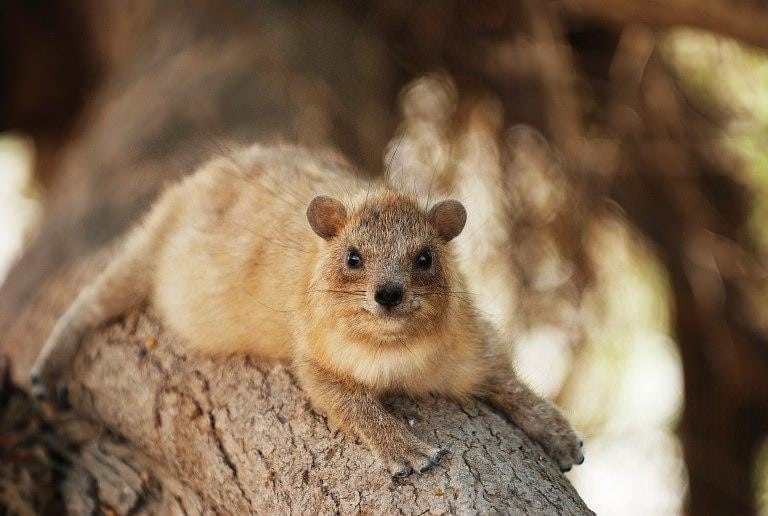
x=195, y=434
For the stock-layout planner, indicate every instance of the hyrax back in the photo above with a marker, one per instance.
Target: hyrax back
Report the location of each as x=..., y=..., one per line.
x=285, y=254
x=229, y=274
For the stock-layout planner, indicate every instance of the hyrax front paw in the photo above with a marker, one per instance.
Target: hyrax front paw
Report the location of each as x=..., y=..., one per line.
x=404, y=454
x=559, y=440
x=565, y=450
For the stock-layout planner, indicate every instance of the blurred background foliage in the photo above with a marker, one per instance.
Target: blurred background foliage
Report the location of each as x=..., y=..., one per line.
x=727, y=77
x=624, y=150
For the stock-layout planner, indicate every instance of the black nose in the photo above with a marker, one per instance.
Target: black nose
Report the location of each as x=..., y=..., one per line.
x=389, y=295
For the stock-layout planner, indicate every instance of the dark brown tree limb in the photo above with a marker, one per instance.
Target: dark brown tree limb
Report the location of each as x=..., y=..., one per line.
x=745, y=21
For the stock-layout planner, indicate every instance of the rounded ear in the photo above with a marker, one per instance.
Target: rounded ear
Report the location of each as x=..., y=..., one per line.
x=326, y=216
x=448, y=217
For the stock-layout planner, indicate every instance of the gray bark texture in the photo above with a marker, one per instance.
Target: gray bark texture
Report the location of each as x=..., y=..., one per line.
x=156, y=429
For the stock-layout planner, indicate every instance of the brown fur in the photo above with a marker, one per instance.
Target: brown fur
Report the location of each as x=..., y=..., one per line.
x=243, y=256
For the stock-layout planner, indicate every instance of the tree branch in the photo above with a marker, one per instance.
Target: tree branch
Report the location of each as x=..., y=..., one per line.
x=735, y=19
x=235, y=435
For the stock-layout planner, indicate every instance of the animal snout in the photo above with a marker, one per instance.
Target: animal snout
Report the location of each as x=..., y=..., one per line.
x=389, y=294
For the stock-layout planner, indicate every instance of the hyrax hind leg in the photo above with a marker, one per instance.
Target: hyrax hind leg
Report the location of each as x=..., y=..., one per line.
x=123, y=284
x=537, y=417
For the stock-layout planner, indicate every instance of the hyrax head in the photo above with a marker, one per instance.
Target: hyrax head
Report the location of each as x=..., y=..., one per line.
x=386, y=269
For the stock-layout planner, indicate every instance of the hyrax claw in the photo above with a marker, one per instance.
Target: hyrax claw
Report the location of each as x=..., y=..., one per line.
x=437, y=455
x=425, y=466
x=565, y=450
x=406, y=452
x=401, y=470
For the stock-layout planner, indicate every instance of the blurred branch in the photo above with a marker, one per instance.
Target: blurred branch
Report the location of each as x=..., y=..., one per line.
x=740, y=20
x=688, y=202
x=557, y=72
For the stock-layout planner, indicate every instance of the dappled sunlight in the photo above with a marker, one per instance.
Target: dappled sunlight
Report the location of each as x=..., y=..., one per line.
x=734, y=77
x=626, y=388
x=19, y=203
x=605, y=353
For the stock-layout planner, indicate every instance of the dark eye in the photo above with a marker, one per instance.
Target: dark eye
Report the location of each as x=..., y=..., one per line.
x=424, y=260
x=354, y=260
